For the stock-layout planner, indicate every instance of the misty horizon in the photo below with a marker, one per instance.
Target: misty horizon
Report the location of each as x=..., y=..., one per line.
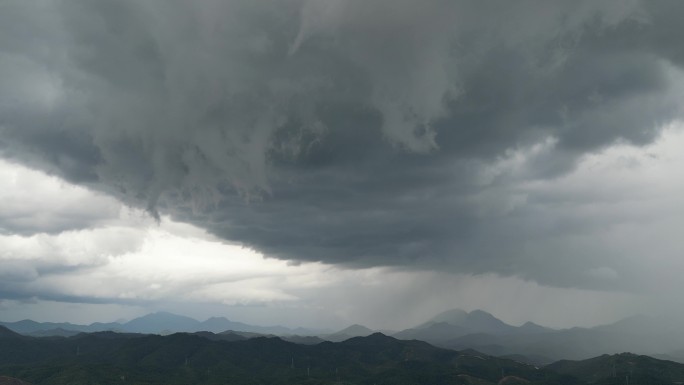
x=329, y=328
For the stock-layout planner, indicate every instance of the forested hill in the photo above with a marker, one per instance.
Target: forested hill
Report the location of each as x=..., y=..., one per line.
x=110, y=358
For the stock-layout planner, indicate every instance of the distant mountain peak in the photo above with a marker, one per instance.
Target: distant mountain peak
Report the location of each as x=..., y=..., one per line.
x=531, y=327
x=161, y=321
x=476, y=321
x=375, y=339
x=450, y=315
x=356, y=330
x=479, y=312
x=377, y=336
x=456, y=323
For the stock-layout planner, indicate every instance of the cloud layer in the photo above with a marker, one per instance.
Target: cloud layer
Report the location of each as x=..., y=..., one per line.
x=433, y=136
x=127, y=265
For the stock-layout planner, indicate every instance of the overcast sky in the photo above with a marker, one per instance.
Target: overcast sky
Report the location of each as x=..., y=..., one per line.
x=327, y=162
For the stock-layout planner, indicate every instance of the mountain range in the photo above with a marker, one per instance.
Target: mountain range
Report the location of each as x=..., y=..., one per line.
x=355, y=330
x=194, y=358
x=457, y=329
x=457, y=323
x=154, y=323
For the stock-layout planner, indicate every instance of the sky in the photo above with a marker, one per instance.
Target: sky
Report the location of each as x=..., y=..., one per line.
x=325, y=162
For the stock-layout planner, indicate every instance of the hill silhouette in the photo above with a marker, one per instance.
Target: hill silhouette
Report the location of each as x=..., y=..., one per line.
x=184, y=358
x=355, y=330
x=153, y=323
x=199, y=358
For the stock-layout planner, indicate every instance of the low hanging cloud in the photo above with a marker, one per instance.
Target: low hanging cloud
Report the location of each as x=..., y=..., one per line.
x=353, y=133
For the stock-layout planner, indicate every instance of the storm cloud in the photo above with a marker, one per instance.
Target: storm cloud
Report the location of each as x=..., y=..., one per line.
x=419, y=135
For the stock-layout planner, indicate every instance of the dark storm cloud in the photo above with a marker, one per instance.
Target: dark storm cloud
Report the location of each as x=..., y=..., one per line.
x=347, y=132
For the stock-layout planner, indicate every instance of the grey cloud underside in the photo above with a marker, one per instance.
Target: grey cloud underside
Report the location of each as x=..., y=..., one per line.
x=31, y=294
x=342, y=132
